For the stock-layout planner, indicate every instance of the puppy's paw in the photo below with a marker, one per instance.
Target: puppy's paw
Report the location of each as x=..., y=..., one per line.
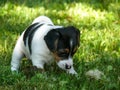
x=72, y=71
x=14, y=69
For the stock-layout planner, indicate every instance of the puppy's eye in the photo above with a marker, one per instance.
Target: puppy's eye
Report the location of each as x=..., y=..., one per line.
x=63, y=54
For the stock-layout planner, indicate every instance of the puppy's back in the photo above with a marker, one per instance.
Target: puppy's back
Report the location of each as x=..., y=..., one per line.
x=43, y=19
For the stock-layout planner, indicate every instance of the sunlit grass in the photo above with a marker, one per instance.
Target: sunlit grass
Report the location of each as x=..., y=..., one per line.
x=100, y=43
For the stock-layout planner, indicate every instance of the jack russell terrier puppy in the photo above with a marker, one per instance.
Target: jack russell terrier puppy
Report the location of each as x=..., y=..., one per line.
x=43, y=42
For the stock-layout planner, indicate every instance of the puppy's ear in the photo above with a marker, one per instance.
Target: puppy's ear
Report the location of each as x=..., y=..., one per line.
x=52, y=39
x=78, y=36
x=77, y=33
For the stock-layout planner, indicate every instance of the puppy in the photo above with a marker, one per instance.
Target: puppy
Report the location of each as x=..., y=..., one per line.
x=43, y=42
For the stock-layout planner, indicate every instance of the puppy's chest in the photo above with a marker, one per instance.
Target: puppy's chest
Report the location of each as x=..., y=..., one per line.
x=48, y=58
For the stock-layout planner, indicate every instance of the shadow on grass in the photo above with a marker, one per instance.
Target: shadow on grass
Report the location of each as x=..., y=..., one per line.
x=14, y=22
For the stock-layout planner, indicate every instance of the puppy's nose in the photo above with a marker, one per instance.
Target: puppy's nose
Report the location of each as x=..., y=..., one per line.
x=67, y=66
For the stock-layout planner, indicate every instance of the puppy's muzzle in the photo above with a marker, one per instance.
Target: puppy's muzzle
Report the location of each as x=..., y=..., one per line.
x=67, y=66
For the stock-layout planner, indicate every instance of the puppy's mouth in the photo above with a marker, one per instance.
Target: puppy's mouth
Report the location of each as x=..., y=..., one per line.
x=65, y=64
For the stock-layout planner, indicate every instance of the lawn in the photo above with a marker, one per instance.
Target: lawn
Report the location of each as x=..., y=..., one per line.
x=99, y=23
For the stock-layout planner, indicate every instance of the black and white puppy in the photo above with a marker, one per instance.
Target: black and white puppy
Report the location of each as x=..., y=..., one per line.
x=43, y=41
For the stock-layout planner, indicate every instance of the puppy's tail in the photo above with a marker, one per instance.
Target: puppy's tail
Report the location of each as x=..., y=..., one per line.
x=43, y=19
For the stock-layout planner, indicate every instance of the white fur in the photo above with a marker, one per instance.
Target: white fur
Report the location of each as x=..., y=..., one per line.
x=43, y=19
x=69, y=61
x=40, y=52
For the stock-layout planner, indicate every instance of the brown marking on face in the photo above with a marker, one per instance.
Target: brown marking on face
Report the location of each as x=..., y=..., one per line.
x=67, y=50
x=75, y=49
x=57, y=58
x=55, y=54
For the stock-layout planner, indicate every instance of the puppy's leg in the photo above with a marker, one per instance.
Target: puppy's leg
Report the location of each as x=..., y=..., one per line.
x=36, y=61
x=16, y=57
x=71, y=71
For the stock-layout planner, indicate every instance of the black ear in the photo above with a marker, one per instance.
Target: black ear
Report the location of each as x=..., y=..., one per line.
x=52, y=39
x=78, y=36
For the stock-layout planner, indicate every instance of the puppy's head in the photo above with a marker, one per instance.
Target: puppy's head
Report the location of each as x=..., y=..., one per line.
x=63, y=43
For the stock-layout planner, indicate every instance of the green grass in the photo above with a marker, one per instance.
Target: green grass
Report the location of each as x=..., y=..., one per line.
x=99, y=22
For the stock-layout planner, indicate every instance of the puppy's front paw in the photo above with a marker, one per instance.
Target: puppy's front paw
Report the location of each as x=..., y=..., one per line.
x=72, y=71
x=14, y=69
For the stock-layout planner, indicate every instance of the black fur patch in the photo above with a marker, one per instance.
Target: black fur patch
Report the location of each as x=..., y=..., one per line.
x=63, y=42
x=29, y=33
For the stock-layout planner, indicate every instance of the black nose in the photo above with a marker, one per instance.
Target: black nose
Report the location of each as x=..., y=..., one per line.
x=67, y=66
